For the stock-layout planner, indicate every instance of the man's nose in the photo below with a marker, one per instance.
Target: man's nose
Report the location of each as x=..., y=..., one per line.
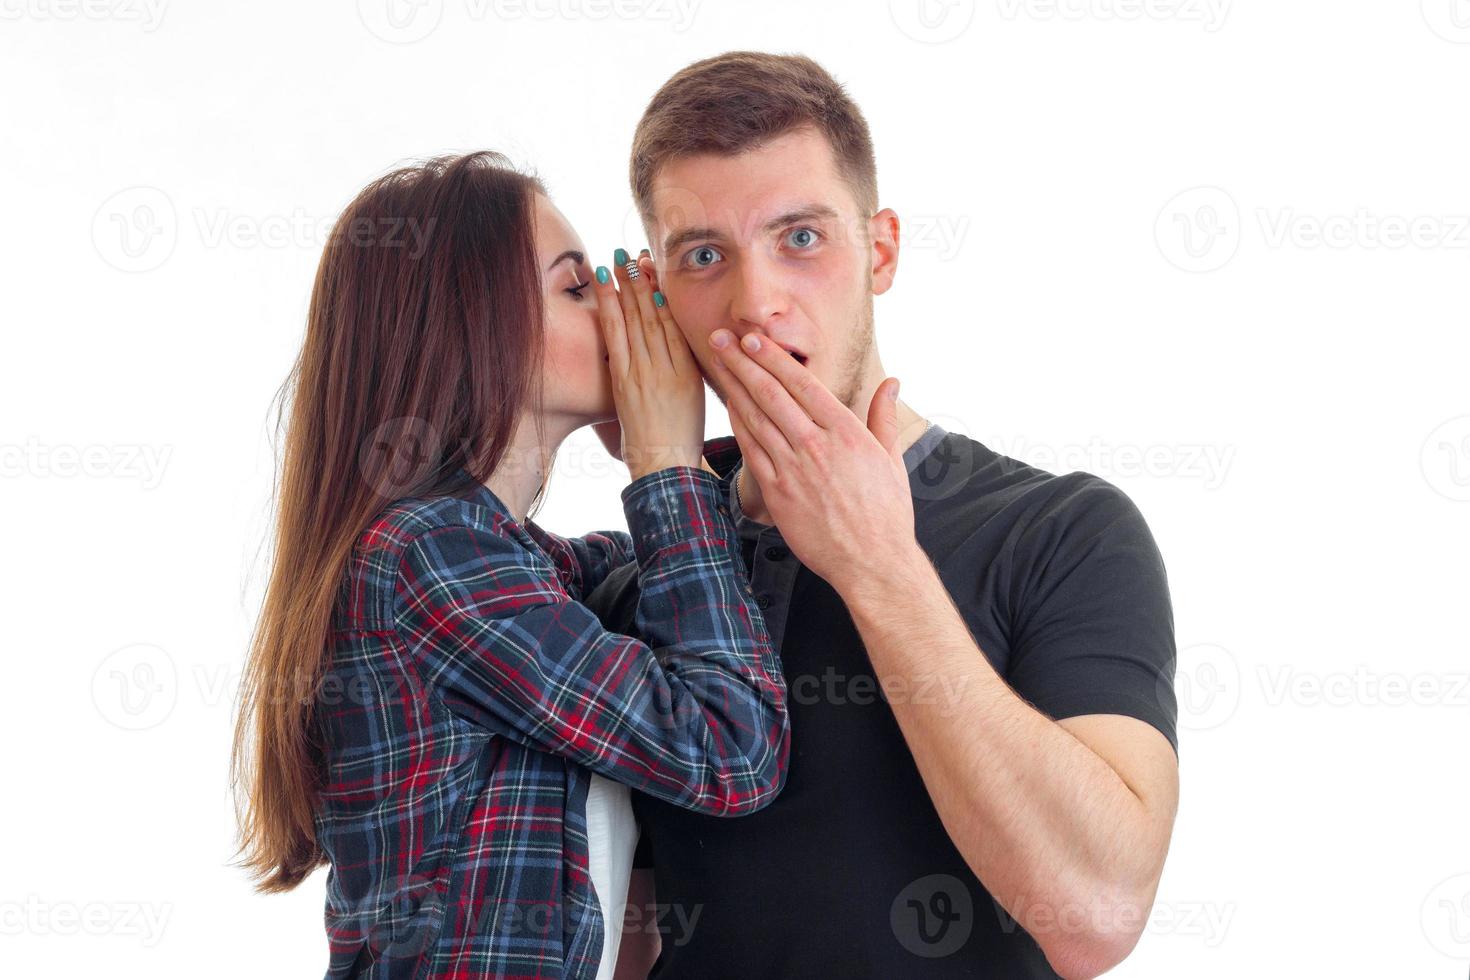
x=758, y=296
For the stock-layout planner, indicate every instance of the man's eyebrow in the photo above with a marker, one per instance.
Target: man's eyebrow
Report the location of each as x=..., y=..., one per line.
x=805, y=212
x=570, y=253
x=684, y=236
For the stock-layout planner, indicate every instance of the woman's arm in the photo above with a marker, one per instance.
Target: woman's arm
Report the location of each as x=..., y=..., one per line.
x=585, y=561
x=589, y=559
x=694, y=712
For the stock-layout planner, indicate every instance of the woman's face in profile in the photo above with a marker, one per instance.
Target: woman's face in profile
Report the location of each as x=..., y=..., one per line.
x=575, y=372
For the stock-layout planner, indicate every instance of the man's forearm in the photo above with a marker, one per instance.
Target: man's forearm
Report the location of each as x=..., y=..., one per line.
x=1050, y=828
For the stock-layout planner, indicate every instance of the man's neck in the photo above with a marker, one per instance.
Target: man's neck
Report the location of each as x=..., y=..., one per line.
x=911, y=426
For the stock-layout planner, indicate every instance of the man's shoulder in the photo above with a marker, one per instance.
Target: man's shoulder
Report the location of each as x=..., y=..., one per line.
x=961, y=471
x=964, y=485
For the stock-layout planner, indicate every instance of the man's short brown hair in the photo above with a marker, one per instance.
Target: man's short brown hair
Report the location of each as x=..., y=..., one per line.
x=740, y=100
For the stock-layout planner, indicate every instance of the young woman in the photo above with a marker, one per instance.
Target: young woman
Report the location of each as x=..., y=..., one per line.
x=427, y=707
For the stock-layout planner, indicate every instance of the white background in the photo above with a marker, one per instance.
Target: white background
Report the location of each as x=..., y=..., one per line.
x=1215, y=252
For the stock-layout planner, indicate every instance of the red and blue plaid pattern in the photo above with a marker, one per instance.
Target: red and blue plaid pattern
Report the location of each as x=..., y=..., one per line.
x=470, y=693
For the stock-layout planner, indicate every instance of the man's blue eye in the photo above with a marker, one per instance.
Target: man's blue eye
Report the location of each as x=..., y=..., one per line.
x=704, y=256
x=802, y=237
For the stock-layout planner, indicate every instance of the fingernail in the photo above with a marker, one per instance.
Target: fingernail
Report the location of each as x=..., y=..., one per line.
x=893, y=392
x=621, y=256
x=602, y=274
x=751, y=342
x=658, y=298
x=720, y=339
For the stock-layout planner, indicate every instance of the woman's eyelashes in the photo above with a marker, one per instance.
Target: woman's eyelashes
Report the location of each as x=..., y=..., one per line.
x=575, y=291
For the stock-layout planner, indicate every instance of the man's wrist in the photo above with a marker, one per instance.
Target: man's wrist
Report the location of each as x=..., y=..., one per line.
x=887, y=573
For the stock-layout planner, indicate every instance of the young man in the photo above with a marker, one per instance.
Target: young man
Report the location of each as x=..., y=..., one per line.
x=979, y=654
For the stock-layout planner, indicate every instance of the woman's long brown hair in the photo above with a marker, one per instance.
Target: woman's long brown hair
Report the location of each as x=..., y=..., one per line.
x=423, y=343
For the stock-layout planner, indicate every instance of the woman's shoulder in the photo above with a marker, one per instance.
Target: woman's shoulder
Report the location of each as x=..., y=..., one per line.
x=408, y=521
x=439, y=536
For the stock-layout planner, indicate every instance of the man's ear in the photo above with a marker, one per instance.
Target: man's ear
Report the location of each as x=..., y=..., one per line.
x=883, y=247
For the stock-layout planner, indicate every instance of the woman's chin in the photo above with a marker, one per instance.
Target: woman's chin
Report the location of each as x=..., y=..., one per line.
x=598, y=414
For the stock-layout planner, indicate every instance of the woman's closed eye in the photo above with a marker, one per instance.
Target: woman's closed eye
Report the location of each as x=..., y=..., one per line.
x=576, y=291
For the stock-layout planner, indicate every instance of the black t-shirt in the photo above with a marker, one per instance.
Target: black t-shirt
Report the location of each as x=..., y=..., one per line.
x=849, y=872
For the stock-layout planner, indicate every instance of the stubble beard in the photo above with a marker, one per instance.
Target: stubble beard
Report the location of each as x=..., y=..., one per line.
x=854, y=369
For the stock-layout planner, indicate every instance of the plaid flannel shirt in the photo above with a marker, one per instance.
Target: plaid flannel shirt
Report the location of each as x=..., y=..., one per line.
x=470, y=693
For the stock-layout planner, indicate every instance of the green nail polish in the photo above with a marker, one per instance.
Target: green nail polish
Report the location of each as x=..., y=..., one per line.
x=621, y=256
x=658, y=298
x=602, y=274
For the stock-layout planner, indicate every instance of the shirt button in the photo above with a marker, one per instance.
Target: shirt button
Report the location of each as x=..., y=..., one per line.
x=763, y=601
x=778, y=553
